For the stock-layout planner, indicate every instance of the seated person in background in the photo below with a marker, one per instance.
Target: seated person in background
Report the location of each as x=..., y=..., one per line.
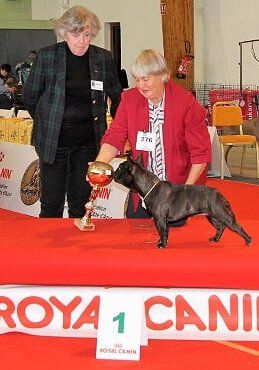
x=5, y=88
x=180, y=148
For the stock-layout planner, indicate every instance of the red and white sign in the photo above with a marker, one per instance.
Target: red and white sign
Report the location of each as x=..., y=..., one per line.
x=20, y=191
x=15, y=161
x=120, y=325
x=191, y=314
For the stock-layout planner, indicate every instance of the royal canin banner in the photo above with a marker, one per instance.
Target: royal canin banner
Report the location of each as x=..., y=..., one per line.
x=20, y=184
x=191, y=314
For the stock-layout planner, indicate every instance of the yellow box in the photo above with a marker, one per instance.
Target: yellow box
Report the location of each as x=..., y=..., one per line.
x=3, y=131
x=16, y=130
x=25, y=130
x=12, y=127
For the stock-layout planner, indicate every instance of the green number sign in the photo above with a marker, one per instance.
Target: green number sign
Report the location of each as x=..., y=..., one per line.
x=121, y=319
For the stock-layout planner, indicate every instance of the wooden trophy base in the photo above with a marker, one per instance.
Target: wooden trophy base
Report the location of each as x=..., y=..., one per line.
x=84, y=225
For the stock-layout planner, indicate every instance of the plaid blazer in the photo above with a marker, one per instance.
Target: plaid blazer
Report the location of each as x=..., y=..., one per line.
x=44, y=95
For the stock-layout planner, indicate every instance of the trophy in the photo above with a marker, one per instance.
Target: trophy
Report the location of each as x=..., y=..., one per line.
x=99, y=174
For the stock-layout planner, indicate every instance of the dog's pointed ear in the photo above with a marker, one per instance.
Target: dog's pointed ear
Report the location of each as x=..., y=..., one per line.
x=139, y=160
x=129, y=159
x=130, y=162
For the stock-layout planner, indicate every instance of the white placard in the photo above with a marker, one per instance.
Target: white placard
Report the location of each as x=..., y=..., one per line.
x=121, y=322
x=146, y=141
x=97, y=85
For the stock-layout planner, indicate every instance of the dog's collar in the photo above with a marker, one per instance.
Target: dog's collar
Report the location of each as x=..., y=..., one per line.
x=155, y=184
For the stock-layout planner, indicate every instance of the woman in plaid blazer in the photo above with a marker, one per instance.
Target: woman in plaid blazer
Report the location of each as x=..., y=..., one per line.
x=66, y=94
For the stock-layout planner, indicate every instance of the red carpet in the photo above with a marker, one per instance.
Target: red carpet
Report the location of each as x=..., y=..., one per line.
x=24, y=352
x=123, y=252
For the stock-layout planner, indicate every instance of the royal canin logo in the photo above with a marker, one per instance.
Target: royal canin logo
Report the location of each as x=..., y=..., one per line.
x=1, y=156
x=5, y=173
x=103, y=193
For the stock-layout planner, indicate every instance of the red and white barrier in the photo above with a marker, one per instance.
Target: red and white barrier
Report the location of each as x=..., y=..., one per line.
x=191, y=314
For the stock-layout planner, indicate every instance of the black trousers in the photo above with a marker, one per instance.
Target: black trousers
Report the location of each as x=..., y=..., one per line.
x=65, y=179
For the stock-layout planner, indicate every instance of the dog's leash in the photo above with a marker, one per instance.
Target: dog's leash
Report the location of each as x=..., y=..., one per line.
x=143, y=199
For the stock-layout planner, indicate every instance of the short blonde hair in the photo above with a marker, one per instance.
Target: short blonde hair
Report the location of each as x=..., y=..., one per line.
x=150, y=62
x=75, y=20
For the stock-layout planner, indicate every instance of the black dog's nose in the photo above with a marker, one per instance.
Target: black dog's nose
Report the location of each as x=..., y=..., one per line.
x=115, y=174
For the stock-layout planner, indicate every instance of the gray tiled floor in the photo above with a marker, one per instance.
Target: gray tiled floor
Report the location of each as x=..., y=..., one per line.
x=234, y=161
x=249, y=180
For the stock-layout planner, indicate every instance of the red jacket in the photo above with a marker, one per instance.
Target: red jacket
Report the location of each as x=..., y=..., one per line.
x=186, y=137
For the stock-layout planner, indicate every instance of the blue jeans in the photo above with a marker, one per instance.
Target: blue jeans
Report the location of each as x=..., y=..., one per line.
x=65, y=178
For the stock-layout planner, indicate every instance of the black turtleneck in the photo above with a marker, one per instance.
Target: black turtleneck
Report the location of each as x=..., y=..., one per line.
x=77, y=125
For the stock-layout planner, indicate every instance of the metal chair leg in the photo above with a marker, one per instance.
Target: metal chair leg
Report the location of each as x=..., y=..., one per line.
x=242, y=159
x=227, y=152
x=222, y=157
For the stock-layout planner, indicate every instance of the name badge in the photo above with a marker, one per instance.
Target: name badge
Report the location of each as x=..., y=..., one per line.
x=146, y=141
x=97, y=85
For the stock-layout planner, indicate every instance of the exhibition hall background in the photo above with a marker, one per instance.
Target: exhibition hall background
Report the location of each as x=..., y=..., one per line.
x=218, y=27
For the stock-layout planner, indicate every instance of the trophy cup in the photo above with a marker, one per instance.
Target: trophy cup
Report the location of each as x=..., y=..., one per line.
x=99, y=174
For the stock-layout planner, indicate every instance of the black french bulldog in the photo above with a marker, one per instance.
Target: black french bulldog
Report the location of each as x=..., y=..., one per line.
x=168, y=202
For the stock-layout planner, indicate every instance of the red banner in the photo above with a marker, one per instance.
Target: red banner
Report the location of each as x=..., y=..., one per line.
x=245, y=100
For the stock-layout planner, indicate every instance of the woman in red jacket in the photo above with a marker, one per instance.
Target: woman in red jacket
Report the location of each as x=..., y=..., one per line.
x=164, y=123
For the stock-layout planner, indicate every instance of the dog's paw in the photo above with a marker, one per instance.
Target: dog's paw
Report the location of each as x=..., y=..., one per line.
x=213, y=239
x=249, y=242
x=161, y=245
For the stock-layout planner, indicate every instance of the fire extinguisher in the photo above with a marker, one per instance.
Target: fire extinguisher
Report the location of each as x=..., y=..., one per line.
x=185, y=62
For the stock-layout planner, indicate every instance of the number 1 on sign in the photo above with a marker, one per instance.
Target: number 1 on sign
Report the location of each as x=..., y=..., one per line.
x=120, y=324
x=121, y=319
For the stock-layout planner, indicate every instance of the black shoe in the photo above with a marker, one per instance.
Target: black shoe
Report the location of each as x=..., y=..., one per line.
x=178, y=223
